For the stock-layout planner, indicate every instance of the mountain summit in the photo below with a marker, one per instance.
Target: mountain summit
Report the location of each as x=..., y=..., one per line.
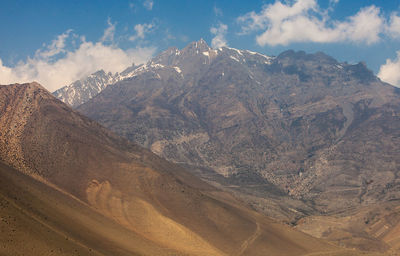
x=185, y=61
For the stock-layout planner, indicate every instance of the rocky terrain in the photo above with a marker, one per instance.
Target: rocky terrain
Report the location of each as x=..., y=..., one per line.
x=68, y=186
x=294, y=135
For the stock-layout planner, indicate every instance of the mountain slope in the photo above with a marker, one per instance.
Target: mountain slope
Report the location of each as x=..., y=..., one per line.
x=106, y=194
x=40, y=220
x=297, y=135
x=240, y=113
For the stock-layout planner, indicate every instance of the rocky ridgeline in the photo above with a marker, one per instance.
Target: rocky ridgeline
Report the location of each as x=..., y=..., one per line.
x=298, y=126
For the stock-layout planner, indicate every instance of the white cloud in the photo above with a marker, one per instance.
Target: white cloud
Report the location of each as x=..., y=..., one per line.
x=109, y=32
x=219, y=33
x=304, y=21
x=365, y=26
x=393, y=28
x=53, y=71
x=56, y=47
x=141, y=30
x=148, y=4
x=390, y=71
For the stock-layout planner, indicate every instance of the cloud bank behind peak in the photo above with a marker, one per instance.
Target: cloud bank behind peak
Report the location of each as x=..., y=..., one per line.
x=59, y=64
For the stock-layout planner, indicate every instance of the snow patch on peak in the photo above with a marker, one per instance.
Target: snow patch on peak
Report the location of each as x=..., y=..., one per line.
x=259, y=54
x=252, y=53
x=211, y=54
x=177, y=69
x=265, y=56
x=234, y=58
x=269, y=59
x=157, y=66
x=140, y=69
x=236, y=50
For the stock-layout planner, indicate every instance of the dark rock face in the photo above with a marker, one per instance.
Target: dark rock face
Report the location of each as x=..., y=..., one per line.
x=310, y=128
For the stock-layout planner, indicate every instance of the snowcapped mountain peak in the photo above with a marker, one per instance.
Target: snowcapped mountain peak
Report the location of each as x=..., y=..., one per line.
x=187, y=62
x=235, y=50
x=196, y=47
x=242, y=56
x=82, y=90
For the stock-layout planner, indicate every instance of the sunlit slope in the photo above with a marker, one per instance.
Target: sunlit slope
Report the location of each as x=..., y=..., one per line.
x=372, y=228
x=96, y=190
x=39, y=220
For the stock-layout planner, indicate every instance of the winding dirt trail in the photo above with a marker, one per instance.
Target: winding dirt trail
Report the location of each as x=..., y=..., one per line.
x=250, y=240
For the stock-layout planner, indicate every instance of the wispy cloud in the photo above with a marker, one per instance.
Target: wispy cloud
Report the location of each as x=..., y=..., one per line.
x=56, y=47
x=282, y=23
x=141, y=30
x=393, y=28
x=109, y=32
x=56, y=64
x=219, y=33
x=390, y=71
x=333, y=2
x=217, y=11
x=148, y=4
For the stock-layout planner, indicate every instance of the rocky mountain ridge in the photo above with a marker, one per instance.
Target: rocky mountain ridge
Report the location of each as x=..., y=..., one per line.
x=295, y=135
x=84, y=89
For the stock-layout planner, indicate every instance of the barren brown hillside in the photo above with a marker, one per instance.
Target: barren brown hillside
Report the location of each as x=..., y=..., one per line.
x=92, y=192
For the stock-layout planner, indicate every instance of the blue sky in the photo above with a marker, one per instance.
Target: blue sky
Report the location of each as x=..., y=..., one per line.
x=57, y=42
